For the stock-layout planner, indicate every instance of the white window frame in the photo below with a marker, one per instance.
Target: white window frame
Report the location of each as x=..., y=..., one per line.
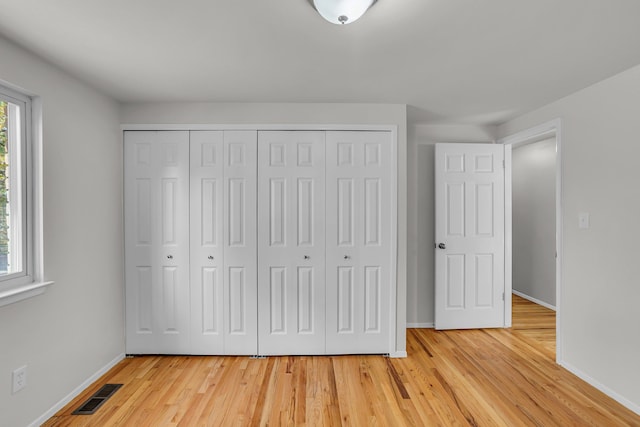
x=29, y=281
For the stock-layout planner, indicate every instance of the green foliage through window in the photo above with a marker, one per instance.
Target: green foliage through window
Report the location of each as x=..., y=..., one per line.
x=4, y=200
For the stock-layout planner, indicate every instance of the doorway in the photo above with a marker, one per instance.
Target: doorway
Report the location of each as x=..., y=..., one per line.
x=534, y=226
x=533, y=159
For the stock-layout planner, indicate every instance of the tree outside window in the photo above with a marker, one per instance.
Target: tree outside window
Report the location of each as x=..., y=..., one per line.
x=4, y=186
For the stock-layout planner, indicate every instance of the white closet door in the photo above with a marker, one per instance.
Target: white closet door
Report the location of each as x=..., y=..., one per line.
x=291, y=277
x=359, y=274
x=240, y=253
x=157, y=242
x=207, y=231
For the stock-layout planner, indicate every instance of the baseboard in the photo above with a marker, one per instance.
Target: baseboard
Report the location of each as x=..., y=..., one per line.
x=68, y=398
x=534, y=300
x=606, y=390
x=420, y=325
x=398, y=355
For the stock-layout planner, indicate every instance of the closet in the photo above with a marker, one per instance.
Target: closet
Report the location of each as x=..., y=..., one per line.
x=259, y=242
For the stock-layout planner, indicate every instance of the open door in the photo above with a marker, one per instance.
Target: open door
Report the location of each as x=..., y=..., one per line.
x=470, y=242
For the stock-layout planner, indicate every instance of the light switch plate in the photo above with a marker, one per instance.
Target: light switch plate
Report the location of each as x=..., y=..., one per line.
x=583, y=220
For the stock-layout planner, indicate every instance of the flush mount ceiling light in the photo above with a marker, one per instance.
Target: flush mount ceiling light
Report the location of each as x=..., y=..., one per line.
x=342, y=11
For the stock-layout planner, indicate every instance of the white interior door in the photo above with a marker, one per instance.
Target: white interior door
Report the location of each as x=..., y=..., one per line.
x=156, y=185
x=240, y=243
x=469, y=262
x=358, y=239
x=291, y=277
x=207, y=242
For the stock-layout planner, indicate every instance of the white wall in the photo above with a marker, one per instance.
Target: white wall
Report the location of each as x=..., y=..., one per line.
x=601, y=269
x=421, y=215
x=534, y=220
x=298, y=114
x=75, y=328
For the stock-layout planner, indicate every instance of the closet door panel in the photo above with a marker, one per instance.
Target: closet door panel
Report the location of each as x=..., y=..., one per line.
x=206, y=231
x=240, y=243
x=358, y=239
x=291, y=249
x=156, y=185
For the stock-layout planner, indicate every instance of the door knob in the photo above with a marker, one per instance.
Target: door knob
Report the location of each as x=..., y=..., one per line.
x=210, y=257
x=307, y=257
x=169, y=256
x=347, y=257
x=442, y=246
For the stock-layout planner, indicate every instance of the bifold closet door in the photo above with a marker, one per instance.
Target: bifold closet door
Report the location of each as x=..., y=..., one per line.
x=223, y=242
x=359, y=246
x=240, y=253
x=207, y=242
x=246, y=242
x=291, y=250
x=156, y=186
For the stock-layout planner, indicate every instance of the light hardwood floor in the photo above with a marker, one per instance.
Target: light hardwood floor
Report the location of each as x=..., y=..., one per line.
x=491, y=377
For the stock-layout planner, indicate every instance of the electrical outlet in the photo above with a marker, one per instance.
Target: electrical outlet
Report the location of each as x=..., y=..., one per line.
x=19, y=379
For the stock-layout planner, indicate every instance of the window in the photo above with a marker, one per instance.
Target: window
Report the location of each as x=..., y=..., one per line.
x=20, y=240
x=12, y=187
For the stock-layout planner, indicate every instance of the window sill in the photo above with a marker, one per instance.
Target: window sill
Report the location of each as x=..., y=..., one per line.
x=20, y=293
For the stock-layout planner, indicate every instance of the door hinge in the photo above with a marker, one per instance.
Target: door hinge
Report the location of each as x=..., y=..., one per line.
x=503, y=296
x=503, y=165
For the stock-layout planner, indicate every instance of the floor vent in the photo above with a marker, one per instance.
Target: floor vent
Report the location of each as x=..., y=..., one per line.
x=94, y=402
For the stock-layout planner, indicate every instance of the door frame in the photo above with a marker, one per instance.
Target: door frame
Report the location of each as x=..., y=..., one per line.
x=529, y=136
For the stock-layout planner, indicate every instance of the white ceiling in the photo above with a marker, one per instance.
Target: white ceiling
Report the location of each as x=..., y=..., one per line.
x=464, y=61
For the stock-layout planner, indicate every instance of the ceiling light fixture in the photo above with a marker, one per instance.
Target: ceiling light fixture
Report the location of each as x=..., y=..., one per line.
x=342, y=11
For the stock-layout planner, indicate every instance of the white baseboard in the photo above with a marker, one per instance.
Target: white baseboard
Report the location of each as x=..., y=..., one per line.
x=534, y=300
x=398, y=355
x=68, y=398
x=606, y=390
x=420, y=325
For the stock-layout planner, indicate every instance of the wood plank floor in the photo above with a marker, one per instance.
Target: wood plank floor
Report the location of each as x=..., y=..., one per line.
x=491, y=377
